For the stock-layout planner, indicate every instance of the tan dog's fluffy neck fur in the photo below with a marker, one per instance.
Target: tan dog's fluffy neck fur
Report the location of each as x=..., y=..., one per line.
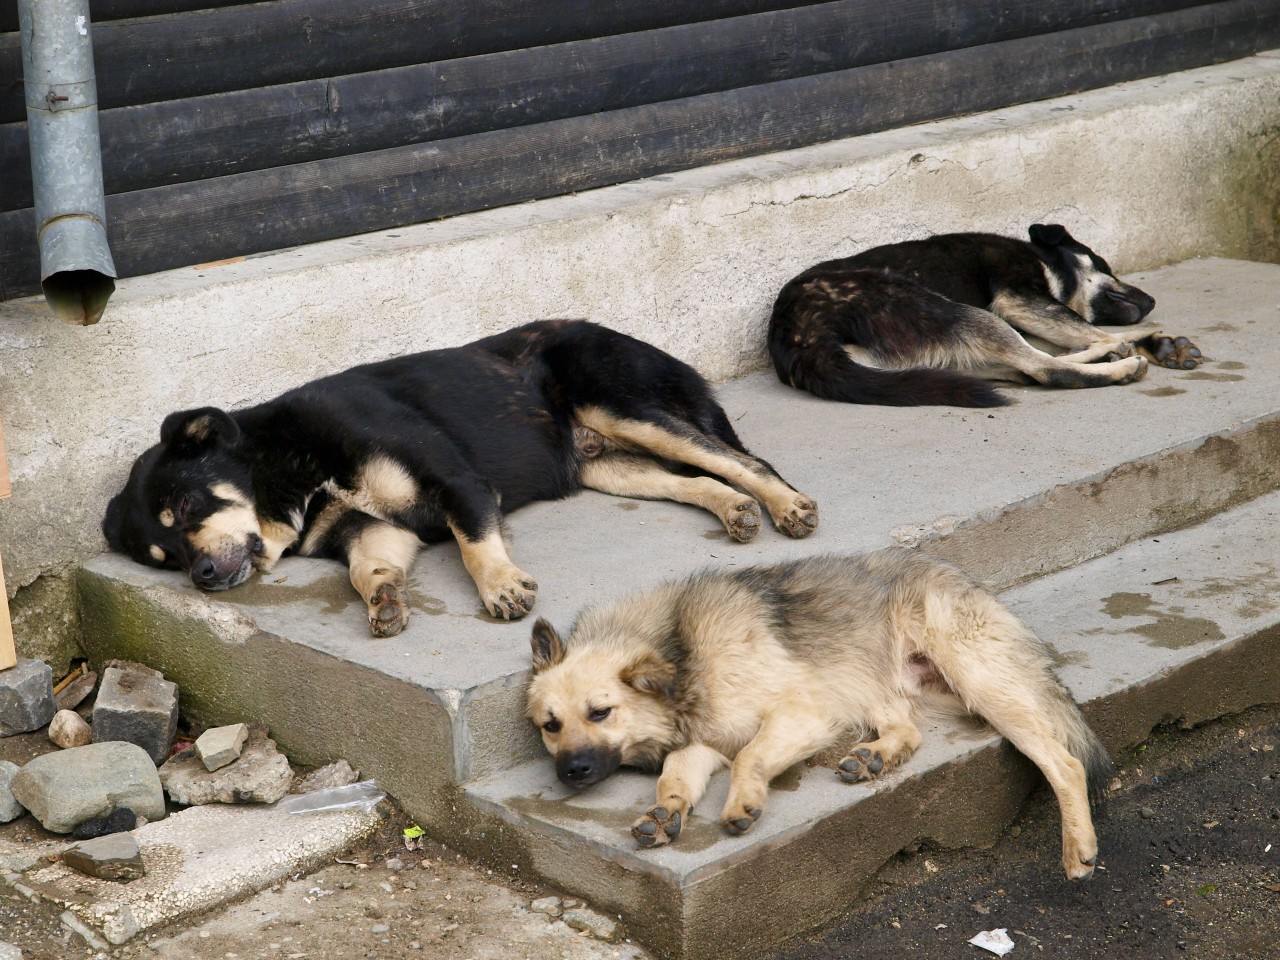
x=764, y=667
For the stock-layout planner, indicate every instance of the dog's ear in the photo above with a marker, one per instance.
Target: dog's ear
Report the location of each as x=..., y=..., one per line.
x=191, y=431
x=1048, y=234
x=653, y=675
x=548, y=648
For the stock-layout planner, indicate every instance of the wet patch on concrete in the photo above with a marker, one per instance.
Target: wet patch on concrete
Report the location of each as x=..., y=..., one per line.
x=1254, y=595
x=1230, y=365
x=628, y=505
x=1072, y=658
x=1222, y=328
x=715, y=535
x=333, y=594
x=1216, y=377
x=1170, y=629
x=1163, y=392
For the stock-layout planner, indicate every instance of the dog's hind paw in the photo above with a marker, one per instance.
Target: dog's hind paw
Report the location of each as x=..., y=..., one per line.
x=861, y=765
x=509, y=596
x=658, y=827
x=799, y=519
x=740, y=821
x=388, y=613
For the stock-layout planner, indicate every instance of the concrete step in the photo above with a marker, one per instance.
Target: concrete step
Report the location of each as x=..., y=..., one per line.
x=1181, y=627
x=1012, y=494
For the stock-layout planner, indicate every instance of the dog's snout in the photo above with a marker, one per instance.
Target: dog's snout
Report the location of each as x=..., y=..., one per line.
x=204, y=572
x=581, y=768
x=255, y=545
x=578, y=770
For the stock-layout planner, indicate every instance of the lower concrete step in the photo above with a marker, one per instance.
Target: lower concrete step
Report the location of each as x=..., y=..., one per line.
x=1012, y=494
x=1182, y=627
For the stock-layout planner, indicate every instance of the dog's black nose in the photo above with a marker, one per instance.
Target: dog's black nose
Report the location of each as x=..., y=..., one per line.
x=578, y=770
x=204, y=572
x=255, y=544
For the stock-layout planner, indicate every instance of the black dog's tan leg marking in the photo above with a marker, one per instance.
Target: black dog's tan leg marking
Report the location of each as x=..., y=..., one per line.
x=506, y=591
x=790, y=732
x=685, y=773
x=793, y=513
x=380, y=557
x=897, y=738
x=1053, y=322
x=629, y=476
x=277, y=537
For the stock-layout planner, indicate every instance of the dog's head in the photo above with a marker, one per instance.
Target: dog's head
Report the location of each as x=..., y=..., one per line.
x=1083, y=281
x=187, y=504
x=600, y=705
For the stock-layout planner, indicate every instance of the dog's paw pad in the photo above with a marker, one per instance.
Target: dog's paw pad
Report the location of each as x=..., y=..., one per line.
x=510, y=596
x=737, y=824
x=799, y=519
x=388, y=614
x=860, y=765
x=1176, y=353
x=658, y=827
x=743, y=520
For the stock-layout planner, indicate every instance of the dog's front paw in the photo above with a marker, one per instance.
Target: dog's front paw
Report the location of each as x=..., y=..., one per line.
x=1176, y=353
x=658, y=827
x=1079, y=859
x=861, y=765
x=799, y=518
x=738, y=819
x=388, y=612
x=743, y=520
x=510, y=594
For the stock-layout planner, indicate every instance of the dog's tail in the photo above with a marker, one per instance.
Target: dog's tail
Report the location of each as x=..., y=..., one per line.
x=807, y=350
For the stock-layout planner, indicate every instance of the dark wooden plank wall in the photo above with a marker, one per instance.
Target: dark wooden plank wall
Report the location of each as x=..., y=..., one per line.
x=236, y=129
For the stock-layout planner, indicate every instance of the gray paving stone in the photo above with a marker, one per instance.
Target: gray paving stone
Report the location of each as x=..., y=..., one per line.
x=221, y=745
x=26, y=697
x=113, y=857
x=137, y=707
x=66, y=788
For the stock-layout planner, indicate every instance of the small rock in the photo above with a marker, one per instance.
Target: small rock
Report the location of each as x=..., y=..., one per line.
x=380, y=928
x=222, y=745
x=114, y=857
x=395, y=863
x=66, y=788
x=117, y=821
x=336, y=774
x=590, y=922
x=68, y=729
x=551, y=906
x=10, y=808
x=9, y=952
x=26, y=697
x=75, y=692
x=1146, y=813
x=261, y=775
x=137, y=705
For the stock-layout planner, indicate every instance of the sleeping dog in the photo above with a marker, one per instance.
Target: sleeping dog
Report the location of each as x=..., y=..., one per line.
x=920, y=322
x=366, y=465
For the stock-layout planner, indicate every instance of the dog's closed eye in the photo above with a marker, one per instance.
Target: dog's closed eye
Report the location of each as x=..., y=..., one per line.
x=599, y=714
x=552, y=726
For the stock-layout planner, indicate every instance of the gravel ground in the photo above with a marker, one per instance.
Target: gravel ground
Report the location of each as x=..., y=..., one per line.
x=1185, y=872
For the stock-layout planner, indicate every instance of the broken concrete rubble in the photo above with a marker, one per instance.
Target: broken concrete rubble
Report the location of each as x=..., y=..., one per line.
x=113, y=857
x=116, y=821
x=137, y=705
x=10, y=808
x=336, y=774
x=222, y=745
x=26, y=697
x=261, y=775
x=68, y=729
x=75, y=690
x=64, y=789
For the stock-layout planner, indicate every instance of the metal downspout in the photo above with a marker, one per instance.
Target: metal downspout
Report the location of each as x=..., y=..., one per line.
x=76, y=270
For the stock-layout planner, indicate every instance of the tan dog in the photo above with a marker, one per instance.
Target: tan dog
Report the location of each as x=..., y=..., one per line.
x=764, y=667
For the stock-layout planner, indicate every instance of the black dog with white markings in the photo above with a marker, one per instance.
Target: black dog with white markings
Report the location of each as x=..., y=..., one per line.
x=366, y=465
x=908, y=323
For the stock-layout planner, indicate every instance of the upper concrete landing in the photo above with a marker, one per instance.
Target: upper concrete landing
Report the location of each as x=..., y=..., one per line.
x=1012, y=493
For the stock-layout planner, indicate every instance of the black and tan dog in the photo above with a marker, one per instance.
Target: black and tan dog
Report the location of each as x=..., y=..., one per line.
x=366, y=465
x=920, y=322
x=763, y=667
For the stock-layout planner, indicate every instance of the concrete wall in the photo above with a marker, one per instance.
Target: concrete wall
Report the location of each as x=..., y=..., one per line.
x=1148, y=173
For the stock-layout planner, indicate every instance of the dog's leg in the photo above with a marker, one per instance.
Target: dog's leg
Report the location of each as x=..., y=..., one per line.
x=624, y=475
x=790, y=732
x=380, y=556
x=685, y=773
x=897, y=738
x=793, y=513
x=506, y=591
